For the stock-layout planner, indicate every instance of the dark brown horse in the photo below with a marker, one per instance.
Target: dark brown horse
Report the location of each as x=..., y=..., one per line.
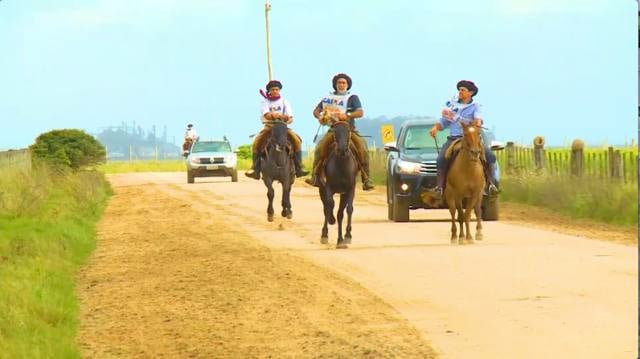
x=340, y=169
x=465, y=181
x=277, y=165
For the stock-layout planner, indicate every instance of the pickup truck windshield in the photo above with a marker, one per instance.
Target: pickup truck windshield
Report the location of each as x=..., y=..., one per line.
x=211, y=147
x=418, y=138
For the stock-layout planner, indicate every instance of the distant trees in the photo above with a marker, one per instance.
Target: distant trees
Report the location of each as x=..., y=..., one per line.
x=67, y=149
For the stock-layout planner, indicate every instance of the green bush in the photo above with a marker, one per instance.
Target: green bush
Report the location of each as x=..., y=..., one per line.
x=244, y=152
x=64, y=149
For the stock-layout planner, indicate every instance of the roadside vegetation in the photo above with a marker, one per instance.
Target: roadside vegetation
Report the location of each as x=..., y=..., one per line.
x=48, y=213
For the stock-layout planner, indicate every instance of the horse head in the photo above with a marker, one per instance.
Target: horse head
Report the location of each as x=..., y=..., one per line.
x=278, y=142
x=471, y=142
x=342, y=133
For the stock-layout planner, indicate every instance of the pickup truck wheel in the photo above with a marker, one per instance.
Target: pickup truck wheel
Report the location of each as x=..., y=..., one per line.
x=190, y=177
x=490, y=208
x=400, y=208
x=389, y=202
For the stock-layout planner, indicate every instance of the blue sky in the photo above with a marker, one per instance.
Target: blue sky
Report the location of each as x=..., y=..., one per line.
x=564, y=69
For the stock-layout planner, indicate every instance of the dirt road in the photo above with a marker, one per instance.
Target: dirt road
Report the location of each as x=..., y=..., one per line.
x=521, y=293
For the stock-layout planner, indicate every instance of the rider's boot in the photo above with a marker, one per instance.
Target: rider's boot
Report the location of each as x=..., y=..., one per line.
x=297, y=161
x=314, y=180
x=439, y=188
x=254, y=172
x=367, y=183
x=491, y=188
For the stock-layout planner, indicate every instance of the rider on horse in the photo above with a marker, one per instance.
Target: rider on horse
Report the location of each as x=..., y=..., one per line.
x=462, y=108
x=190, y=136
x=343, y=106
x=274, y=107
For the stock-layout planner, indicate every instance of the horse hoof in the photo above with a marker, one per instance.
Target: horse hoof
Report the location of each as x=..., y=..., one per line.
x=454, y=241
x=469, y=241
x=270, y=218
x=324, y=240
x=478, y=237
x=347, y=239
x=331, y=220
x=341, y=246
x=289, y=215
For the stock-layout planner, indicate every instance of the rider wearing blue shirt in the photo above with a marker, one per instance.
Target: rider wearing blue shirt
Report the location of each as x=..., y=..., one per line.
x=462, y=108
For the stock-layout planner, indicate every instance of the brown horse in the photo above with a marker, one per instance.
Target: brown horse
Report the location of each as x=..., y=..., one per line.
x=465, y=181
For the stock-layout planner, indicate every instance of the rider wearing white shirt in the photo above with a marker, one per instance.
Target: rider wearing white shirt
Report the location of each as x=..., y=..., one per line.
x=274, y=107
x=343, y=106
x=190, y=133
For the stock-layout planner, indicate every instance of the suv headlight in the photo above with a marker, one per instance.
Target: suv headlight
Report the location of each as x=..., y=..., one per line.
x=195, y=160
x=408, y=167
x=231, y=161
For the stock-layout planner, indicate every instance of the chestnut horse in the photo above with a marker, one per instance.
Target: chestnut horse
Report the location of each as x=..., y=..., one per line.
x=465, y=182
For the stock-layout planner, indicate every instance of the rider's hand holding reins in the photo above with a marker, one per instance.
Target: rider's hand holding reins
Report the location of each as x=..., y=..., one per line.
x=434, y=130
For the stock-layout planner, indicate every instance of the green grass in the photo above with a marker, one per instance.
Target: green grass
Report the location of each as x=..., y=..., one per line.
x=592, y=198
x=47, y=230
x=156, y=166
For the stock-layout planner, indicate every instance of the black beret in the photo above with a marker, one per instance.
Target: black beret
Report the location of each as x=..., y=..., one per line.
x=469, y=85
x=274, y=83
x=342, y=76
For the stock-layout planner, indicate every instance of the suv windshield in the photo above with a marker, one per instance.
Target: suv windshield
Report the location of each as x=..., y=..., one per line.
x=218, y=146
x=418, y=138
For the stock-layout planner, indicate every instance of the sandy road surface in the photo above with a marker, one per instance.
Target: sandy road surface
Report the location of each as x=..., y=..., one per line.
x=521, y=293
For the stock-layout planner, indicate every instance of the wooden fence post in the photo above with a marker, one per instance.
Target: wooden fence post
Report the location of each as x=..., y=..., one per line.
x=577, y=158
x=538, y=152
x=616, y=165
x=510, y=150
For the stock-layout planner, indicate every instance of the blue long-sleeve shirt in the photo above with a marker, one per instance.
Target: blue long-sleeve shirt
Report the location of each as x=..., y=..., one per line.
x=465, y=112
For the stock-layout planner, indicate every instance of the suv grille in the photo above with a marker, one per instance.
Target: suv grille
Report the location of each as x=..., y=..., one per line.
x=428, y=167
x=207, y=160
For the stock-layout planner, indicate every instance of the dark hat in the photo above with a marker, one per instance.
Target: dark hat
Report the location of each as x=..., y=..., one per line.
x=469, y=85
x=341, y=76
x=274, y=83
x=189, y=125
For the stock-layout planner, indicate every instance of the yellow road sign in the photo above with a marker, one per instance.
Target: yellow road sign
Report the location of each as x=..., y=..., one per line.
x=386, y=132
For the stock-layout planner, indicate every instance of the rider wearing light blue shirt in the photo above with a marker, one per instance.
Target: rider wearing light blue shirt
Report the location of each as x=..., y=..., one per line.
x=462, y=108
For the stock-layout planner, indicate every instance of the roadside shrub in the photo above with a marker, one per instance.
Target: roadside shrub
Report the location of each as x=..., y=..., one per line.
x=244, y=152
x=69, y=148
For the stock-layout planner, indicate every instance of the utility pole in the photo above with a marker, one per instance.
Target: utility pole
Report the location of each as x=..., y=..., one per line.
x=267, y=8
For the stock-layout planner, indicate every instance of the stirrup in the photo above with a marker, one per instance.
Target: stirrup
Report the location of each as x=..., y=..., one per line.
x=437, y=192
x=312, y=181
x=493, y=190
x=301, y=172
x=252, y=174
x=368, y=185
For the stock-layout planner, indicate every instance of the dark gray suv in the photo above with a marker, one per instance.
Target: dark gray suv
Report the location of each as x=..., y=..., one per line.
x=411, y=169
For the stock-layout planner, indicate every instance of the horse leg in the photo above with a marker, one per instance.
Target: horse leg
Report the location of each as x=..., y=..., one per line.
x=454, y=229
x=329, y=203
x=270, y=193
x=460, y=221
x=324, y=237
x=286, y=200
x=343, y=204
x=351, y=194
x=467, y=218
x=478, y=211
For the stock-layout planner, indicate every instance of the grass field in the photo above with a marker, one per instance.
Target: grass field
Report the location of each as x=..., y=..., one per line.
x=47, y=230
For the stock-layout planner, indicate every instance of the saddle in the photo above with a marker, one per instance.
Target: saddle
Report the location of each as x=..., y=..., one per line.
x=455, y=148
x=319, y=170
